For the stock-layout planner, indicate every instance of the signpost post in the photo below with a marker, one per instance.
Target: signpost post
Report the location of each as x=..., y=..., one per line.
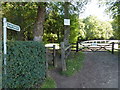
x=9, y=26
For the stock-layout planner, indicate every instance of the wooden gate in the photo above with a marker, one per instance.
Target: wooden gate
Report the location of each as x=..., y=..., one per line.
x=97, y=45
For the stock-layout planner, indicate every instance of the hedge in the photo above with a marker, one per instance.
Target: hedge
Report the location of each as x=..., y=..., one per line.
x=25, y=64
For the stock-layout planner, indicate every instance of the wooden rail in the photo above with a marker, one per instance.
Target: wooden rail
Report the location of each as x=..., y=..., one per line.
x=64, y=54
x=53, y=54
x=100, y=41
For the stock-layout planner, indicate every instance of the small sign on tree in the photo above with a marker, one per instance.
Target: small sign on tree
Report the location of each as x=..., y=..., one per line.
x=66, y=21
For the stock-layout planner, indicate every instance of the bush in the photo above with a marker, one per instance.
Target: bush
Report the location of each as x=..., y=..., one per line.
x=25, y=64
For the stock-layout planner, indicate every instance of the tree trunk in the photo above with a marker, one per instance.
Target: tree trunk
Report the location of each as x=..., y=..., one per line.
x=38, y=28
x=58, y=36
x=66, y=28
x=20, y=35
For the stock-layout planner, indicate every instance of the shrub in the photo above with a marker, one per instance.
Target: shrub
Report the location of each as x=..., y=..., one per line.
x=25, y=64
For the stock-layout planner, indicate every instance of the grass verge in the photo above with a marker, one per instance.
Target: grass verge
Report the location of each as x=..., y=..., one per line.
x=74, y=63
x=49, y=83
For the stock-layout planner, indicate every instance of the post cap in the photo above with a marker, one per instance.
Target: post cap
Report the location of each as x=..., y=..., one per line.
x=4, y=19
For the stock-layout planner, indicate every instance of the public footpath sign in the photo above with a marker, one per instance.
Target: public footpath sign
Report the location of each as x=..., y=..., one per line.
x=9, y=26
x=13, y=26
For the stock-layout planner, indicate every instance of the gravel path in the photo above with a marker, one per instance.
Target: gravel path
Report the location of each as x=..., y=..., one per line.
x=100, y=70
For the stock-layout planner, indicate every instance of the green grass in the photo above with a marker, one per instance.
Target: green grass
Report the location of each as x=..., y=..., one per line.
x=49, y=83
x=50, y=67
x=74, y=63
x=116, y=52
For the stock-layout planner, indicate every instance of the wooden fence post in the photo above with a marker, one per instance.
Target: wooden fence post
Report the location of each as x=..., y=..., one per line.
x=63, y=56
x=54, y=60
x=113, y=47
x=77, y=46
x=46, y=62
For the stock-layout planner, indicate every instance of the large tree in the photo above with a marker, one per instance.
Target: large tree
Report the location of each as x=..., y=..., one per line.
x=113, y=8
x=22, y=14
x=66, y=27
x=39, y=29
x=55, y=31
x=72, y=8
x=97, y=29
x=33, y=18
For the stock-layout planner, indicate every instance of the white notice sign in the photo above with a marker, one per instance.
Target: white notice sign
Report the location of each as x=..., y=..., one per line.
x=66, y=21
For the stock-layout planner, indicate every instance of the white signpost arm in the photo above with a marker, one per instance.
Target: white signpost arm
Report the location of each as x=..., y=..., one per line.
x=4, y=41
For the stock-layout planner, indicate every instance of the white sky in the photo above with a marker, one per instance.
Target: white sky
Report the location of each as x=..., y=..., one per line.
x=93, y=9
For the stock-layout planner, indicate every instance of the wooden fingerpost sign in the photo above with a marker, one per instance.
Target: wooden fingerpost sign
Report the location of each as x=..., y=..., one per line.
x=9, y=26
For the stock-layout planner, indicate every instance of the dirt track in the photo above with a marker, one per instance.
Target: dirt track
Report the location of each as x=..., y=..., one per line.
x=100, y=70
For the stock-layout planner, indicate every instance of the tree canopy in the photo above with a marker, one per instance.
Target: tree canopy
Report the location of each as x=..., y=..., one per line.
x=113, y=8
x=25, y=14
x=96, y=29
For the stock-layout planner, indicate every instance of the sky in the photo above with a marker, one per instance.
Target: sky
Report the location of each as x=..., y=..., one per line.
x=93, y=9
